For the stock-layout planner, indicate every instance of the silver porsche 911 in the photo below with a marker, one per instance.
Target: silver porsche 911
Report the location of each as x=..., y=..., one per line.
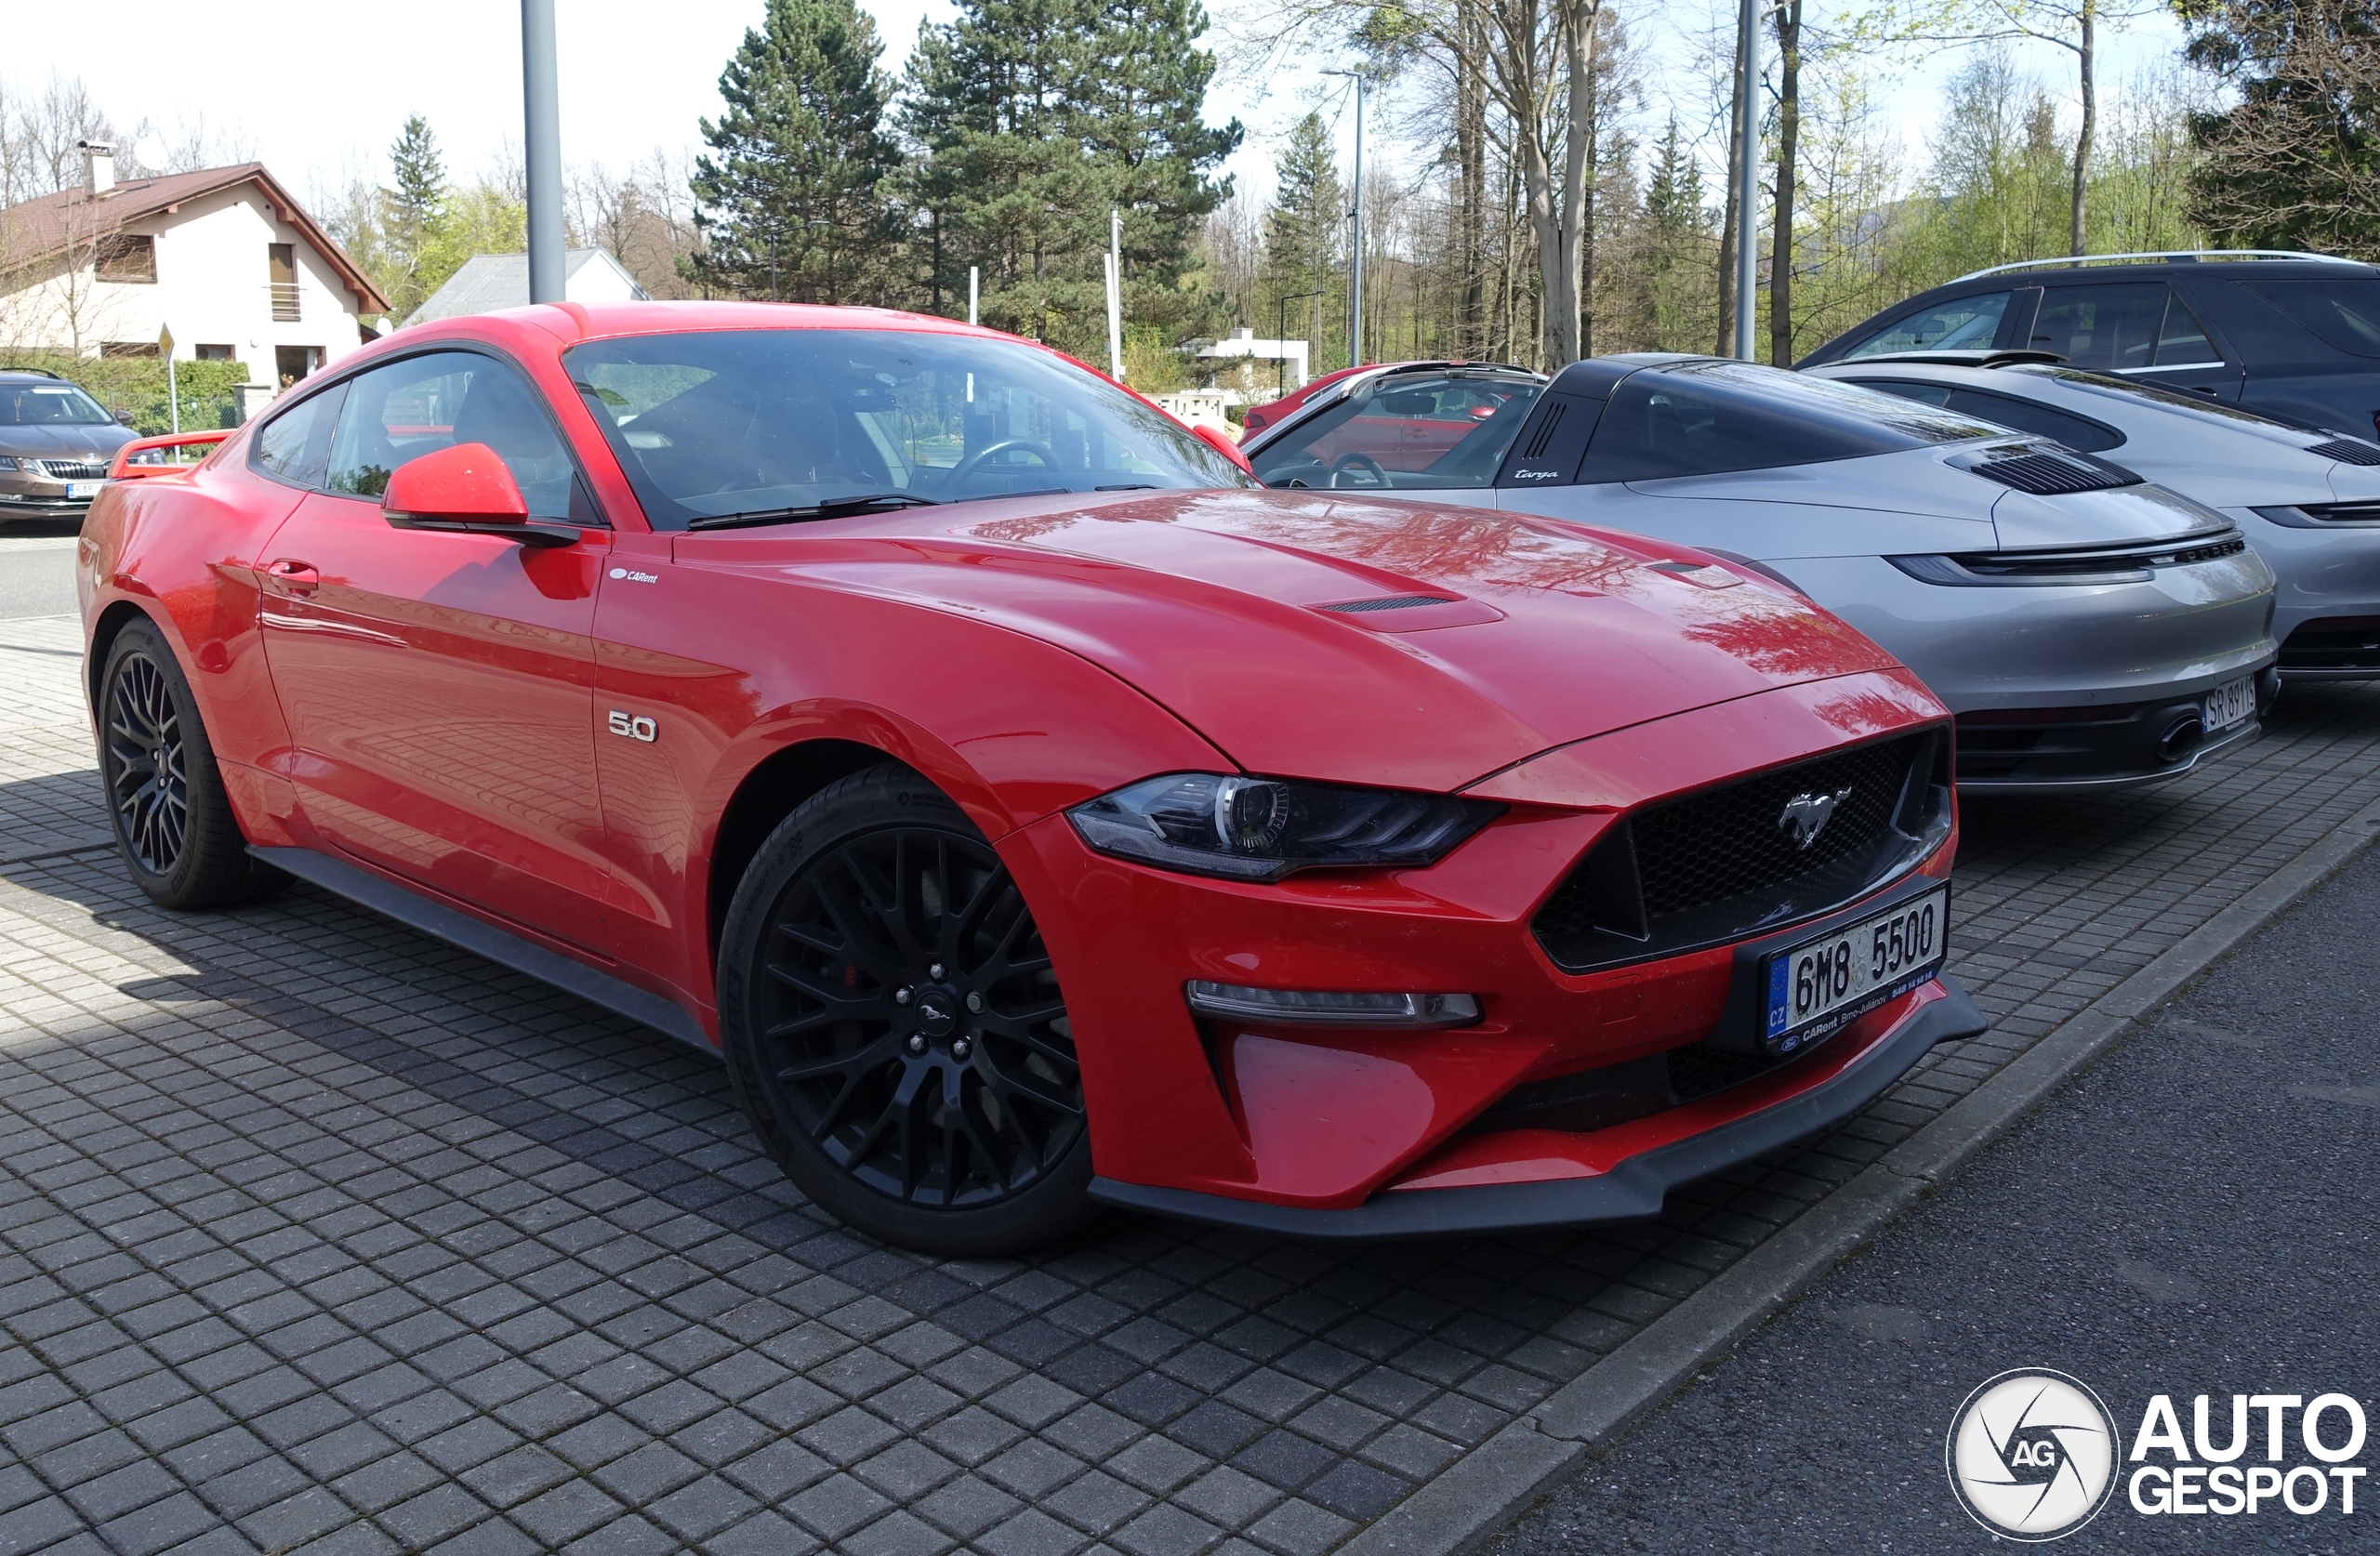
x=2091, y=629
x=2308, y=501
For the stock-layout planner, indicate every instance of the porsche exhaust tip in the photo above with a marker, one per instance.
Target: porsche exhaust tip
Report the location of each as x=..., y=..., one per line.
x=2176, y=744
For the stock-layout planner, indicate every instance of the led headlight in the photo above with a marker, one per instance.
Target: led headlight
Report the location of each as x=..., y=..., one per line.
x=1211, y=823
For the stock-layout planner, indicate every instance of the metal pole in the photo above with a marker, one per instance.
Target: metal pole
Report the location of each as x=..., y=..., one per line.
x=1280, y=344
x=1115, y=295
x=1747, y=173
x=1355, y=330
x=173, y=393
x=541, y=104
x=975, y=285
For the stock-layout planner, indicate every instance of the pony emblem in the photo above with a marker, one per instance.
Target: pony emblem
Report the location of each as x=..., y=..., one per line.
x=1806, y=815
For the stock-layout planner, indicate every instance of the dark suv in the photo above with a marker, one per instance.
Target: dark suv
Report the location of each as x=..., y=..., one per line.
x=56, y=443
x=2293, y=336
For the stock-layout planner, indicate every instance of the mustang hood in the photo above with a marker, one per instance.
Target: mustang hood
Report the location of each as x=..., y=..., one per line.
x=1312, y=636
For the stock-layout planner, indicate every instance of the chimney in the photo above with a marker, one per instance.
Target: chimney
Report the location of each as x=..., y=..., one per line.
x=98, y=167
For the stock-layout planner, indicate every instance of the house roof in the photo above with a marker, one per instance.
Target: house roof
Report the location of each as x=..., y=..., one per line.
x=488, y=282
x=42, y=227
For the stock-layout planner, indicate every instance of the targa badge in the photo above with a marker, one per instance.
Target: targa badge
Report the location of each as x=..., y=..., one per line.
x=2031, y=1455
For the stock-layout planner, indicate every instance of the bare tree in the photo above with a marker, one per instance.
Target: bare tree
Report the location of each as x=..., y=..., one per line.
x=1534, y=60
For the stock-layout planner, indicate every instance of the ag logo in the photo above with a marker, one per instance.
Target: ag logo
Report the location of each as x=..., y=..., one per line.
x=2031, y=1455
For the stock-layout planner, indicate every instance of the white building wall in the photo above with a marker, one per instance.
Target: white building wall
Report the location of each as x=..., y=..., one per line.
x=212, y=288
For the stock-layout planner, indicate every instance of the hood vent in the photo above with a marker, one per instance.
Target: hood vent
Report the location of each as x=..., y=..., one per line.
x=2346, y=451
x=2054, y=475
x=1389, y=602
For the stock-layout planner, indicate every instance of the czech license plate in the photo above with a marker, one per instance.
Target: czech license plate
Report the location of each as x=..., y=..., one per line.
x=1816, y=989
x=83, y=488
x=2233, y=702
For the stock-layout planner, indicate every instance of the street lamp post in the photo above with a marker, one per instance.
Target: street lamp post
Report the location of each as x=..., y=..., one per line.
x=1747, y=171
x=1355, y=321
x=541, y=109
x=1280, y=338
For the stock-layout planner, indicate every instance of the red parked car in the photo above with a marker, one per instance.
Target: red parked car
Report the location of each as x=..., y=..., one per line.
x=1121, y=833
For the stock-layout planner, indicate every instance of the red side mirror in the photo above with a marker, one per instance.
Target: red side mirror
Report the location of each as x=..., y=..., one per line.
x=1222, y=445
x=466, y=489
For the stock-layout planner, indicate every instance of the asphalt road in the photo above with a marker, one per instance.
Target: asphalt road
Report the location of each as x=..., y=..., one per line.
x=2198, y=1214
x=37, y=568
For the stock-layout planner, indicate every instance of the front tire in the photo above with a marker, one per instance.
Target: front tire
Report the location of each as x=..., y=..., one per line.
x=172, y=822
x=894, y=1027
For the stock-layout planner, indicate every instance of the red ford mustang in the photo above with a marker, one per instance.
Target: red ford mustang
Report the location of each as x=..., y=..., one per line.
x=1121, y=833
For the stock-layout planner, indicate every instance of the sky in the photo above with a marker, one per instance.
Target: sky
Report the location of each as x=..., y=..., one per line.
x=320, y=90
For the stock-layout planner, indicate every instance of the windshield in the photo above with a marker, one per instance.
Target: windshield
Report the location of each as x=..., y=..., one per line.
x=50, y=405
x=1423, y=432
x=1713, y=415
x=738, y=421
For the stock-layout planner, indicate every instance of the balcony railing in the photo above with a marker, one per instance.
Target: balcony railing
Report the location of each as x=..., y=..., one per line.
x=285, y=300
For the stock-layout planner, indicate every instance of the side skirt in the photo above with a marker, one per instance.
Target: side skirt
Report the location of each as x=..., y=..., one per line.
x=500, y=946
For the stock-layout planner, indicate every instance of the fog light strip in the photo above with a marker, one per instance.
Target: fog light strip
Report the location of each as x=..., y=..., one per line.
x=1305, y=1007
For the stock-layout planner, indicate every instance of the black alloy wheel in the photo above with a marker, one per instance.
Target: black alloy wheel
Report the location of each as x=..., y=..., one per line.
x=148, y=768
x=896, y=1026
x=172, y=821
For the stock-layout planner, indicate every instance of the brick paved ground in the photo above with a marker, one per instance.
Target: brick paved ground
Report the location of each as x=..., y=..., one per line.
x=317, y=1234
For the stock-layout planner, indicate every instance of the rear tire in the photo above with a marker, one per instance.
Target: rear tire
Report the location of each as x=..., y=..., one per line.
x=894, y=1028
x=171, y=819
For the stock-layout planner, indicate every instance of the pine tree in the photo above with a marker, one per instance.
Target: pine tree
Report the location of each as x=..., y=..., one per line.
x=410, y=212
x=1036, y=118
x=790, y=199
x=1305, y=234
x=1681, y=248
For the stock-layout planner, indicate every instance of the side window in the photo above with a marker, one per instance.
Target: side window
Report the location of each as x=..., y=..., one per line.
x=2111, y=328
x=293, y=444
x=2029, y=415
x=397, y=413
x=1963, y=323
x=2345, y=312
x=2183, y=342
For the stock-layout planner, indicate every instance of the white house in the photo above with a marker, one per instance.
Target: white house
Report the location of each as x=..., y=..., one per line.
x=488, y=282
x=225, y=258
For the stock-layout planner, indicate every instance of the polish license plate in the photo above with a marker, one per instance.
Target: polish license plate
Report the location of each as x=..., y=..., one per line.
x=83, y=488
x=2233, y=702
x=1816, y=989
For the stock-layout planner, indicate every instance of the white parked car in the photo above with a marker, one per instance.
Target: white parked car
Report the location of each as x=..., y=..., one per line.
x=2091, y=629
x=2308, y=501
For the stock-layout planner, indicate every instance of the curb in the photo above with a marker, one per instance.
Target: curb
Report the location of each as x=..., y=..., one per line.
x=1471, y=1502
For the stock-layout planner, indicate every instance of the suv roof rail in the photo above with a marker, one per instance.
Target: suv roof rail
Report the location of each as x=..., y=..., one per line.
x=1980, y=357
x=43, y=371
x=2181, y=254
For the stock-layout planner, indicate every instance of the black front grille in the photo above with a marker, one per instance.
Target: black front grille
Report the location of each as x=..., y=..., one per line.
x=1390, y=602
x=2051, y=475
x=2346, y=451
x=1730, y=841
x=74, y=469
x=1726, y=862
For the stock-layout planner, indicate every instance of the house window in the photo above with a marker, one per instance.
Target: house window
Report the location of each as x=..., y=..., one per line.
x=213, y=353
x=127, y=348
x=281, y=262
x=127, y=256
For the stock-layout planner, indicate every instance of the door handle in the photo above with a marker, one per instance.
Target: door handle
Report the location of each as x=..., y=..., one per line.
x=289, y=576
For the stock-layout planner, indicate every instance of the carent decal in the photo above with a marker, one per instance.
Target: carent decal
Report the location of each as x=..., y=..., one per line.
x=2203, y=1475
